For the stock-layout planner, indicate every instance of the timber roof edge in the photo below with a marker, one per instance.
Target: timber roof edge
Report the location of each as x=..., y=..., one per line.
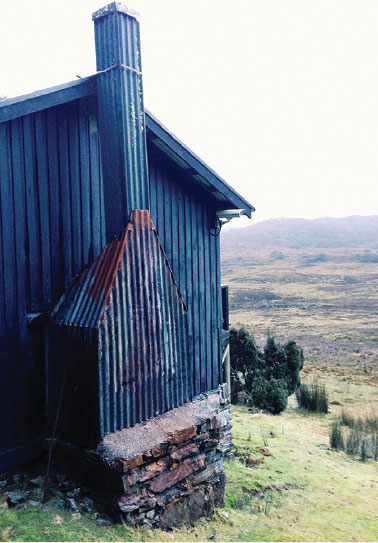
x=161, y=136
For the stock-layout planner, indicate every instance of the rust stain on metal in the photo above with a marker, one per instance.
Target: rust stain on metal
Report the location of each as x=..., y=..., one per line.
x=130, y=298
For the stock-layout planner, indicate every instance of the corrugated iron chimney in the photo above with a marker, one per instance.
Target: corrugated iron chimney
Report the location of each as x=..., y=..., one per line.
x=121, y=114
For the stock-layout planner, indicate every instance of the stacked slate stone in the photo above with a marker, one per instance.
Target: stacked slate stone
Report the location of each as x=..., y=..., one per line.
x=168, y=470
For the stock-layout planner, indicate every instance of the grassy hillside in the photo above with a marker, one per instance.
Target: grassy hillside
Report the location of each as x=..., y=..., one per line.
x=325, y=298
x=352, y=232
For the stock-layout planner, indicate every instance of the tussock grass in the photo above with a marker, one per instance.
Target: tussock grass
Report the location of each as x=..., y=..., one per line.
x=313, y=397
x=336, y=438
x=365, y=422
x=356, y=433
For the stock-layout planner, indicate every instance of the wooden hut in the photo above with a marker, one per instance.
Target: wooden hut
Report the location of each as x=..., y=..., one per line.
x=110, y=283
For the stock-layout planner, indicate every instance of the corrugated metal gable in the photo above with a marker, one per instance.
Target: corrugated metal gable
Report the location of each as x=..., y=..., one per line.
x=129, y=297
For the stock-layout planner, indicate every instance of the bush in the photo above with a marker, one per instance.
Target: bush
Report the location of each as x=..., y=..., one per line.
x=245, y=355
x=236, y=387
x=367, y=257
x=313, y=259
x=294, y=362
x=313, y=397
x=270, y=395
x=277, y=255
x=268, y=377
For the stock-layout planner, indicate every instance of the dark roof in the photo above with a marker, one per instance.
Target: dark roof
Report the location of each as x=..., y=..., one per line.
x=42, y=99
x=157, y=133
x=197, y=168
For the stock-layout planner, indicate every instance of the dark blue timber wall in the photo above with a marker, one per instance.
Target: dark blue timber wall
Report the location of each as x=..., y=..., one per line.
x=51, y=224
x=184, y=219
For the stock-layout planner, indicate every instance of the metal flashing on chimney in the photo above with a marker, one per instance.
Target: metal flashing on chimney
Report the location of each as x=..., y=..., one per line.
x=113, y=7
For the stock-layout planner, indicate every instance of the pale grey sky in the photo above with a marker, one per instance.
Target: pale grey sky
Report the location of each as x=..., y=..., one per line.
x=280, y=97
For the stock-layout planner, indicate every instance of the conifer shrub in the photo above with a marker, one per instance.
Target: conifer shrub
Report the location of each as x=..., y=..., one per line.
x=267, y=377
x=270, y=395
x=246, y=357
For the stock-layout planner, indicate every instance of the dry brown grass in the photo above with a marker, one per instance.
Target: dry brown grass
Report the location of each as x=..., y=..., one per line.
x=330, y=308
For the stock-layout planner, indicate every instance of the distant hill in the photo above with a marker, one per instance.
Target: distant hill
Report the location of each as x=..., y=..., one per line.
x=353, y=232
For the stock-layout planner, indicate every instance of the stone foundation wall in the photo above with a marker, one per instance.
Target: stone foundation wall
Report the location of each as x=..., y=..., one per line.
x=166, y=471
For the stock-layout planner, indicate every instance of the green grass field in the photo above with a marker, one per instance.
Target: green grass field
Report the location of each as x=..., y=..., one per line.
x=304, y=492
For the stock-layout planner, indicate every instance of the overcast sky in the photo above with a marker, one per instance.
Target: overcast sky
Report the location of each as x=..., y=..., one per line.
x=280, y=97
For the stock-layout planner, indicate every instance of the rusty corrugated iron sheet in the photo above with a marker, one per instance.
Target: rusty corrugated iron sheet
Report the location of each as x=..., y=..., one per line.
x=122, y=327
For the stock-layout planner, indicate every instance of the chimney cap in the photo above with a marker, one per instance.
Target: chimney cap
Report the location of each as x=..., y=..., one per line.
x=112, y=8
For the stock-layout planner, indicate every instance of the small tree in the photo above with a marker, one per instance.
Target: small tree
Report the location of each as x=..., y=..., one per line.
x=269, y=376
x=245, y=355
x=294, y=362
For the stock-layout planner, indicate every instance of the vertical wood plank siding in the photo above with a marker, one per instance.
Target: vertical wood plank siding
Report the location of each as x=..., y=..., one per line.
x=51, y=225
x=183, y=219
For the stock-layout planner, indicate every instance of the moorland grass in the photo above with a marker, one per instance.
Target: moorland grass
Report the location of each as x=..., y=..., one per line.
x=304, y=492
x=356, y=433
x=313, y=397
x=329, y=308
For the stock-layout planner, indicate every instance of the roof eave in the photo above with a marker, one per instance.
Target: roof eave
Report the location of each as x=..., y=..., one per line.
x=42, y=99
x=54, y=96
x=194, y=162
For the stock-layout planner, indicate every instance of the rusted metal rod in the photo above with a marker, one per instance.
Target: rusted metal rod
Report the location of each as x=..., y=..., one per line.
x=52, y=440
